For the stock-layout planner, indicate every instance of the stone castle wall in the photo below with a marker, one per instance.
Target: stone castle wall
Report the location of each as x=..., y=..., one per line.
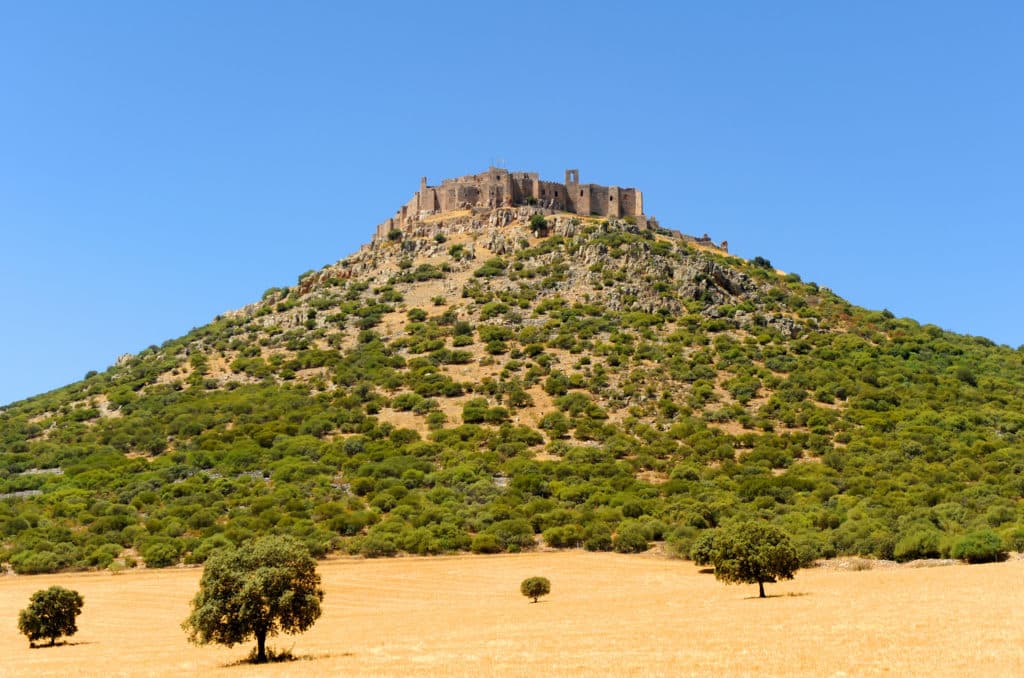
x=501, y=188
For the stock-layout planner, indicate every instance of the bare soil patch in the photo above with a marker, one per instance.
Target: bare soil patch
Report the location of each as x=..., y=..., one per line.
x=607, y=614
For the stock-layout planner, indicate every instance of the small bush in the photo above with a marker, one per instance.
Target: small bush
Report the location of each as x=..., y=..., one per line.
x=538, y=224
x=491, y=268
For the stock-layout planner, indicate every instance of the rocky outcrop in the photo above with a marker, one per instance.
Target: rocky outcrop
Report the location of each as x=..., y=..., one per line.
x=656, y=273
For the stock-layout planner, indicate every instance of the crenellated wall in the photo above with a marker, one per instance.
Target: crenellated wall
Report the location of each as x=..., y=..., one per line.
x=499, y=187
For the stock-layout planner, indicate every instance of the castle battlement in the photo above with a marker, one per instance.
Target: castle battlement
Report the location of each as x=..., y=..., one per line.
x=501, y=188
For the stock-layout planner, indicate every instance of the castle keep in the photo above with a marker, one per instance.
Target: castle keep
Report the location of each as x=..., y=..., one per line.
x=501, y=188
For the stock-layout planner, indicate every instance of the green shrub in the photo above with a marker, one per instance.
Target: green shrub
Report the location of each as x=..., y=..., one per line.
x=378, y=546
x=35, y=562
x=513, y=535
x=810, y=547
x=206, y=549
x=1013, y=538
x=629, y=538
x=598, y=537
x=679, y=543
x=474, y=411
x=563, y=536
x=162, y=553
x=702, y=548
x=982, y=546
x=919, y=542
x=538, y=224
x=485, y=543
x=491, y=268
x=103, y=556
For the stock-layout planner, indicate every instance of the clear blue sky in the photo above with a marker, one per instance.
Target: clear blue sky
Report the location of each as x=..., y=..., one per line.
x=162, y=162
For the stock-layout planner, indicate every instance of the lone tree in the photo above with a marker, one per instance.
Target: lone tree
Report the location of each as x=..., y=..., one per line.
x=748, y=553
x=535, y=587
x=51, y=613
x=270, y=585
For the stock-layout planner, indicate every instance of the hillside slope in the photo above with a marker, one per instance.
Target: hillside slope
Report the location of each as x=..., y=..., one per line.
x=491, y=381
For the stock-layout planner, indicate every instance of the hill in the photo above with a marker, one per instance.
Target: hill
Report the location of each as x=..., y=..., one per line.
x=495, y=377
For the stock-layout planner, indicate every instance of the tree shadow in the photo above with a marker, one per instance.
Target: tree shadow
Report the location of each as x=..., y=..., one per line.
x=283, y=657
x=799, y=594
x=706, y=570
x=62, y=643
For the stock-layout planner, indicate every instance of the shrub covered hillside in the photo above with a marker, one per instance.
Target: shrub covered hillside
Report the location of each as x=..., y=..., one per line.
x=489, y=382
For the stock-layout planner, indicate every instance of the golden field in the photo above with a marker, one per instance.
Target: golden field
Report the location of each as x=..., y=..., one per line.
x=607, y=614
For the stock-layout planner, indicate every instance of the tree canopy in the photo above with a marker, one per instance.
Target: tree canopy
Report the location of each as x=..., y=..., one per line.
x=748, y=553
x=265, y=587
x=535, y=587
x=51, y=613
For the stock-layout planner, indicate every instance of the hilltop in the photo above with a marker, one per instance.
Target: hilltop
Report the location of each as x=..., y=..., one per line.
x=500, y=372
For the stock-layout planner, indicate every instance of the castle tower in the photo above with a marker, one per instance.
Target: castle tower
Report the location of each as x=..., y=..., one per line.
x=614, y=201
x=572, y=198
x=421, y=196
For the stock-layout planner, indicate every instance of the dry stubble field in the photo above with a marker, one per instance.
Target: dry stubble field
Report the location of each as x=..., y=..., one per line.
x=607, y=614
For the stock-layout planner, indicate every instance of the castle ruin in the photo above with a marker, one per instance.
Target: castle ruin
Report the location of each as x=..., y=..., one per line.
x=501, y=188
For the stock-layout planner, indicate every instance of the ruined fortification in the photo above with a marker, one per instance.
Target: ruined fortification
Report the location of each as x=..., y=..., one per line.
x=501, y=188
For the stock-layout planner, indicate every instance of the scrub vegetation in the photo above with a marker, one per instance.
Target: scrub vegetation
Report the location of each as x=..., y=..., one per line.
x=605, y=386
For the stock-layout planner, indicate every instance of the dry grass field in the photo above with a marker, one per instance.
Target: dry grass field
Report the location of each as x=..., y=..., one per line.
x=607, y=614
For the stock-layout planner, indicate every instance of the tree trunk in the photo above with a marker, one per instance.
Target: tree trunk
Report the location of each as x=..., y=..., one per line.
x=261, y=647
x=760, y=586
